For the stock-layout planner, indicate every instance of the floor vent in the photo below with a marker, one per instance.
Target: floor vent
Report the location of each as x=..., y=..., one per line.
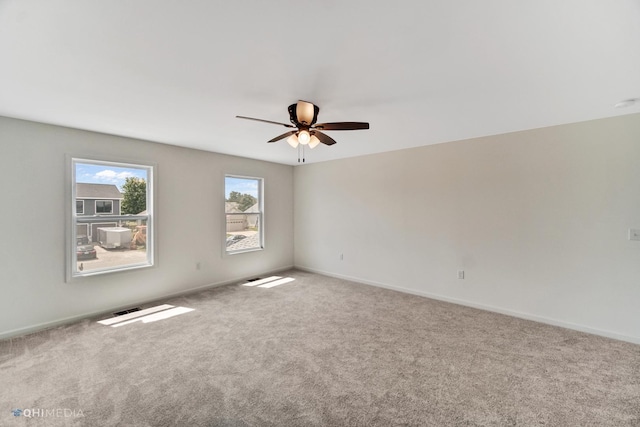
x=253, y=280
x=131, y=310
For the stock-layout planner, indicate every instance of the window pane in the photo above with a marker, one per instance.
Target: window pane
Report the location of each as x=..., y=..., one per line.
x=104, y=206
x=112, y=219
x=121, y=244
x=243, y=213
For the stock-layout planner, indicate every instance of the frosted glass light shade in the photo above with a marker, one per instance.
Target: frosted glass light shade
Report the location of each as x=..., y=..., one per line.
x=313, y=143
x=293, y=141
x=304, y=137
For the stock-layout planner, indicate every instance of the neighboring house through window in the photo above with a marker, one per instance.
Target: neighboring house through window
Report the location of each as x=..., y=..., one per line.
x=108, y=232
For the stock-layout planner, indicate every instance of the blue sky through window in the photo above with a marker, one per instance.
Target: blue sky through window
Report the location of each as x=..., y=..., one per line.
x=241, y=185
x=106, y=174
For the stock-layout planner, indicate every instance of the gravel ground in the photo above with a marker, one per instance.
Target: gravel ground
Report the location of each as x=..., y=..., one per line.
x=113, y=258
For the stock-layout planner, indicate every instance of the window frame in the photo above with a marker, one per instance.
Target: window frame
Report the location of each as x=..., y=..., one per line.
x=261, y=215
x=73, y=218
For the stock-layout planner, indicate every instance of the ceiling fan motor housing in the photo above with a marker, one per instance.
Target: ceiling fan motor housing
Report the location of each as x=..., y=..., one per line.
x=303, y=114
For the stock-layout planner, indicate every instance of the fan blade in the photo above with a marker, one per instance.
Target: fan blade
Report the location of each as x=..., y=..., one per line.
x=342, y=126
x=325, y=139
x=266, y=121
x=283, y=136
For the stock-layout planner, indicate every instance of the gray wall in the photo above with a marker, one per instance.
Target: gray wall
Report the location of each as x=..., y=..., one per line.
x=189, y=214
x=538, y=220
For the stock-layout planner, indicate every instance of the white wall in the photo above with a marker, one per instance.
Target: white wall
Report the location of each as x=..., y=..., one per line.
x=538, y=220
x=189, y=213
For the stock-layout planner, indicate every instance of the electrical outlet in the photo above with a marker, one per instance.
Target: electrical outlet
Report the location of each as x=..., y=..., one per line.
x=634, y=234
x=460, y=274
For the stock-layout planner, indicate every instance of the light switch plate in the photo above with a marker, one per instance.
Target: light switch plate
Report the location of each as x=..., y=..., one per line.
x=634, y=234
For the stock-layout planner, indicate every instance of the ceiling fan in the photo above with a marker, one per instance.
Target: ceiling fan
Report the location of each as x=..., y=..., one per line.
x=306, y=131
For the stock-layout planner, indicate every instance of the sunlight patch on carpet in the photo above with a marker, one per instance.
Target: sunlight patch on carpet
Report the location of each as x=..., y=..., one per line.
x=152, y=314
x=268, y=282
x=277, y=282
x=261, y=281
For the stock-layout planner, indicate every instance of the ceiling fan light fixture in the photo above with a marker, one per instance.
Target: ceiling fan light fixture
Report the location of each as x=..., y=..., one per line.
x=293, y=140
x=313, y=142
x=304, y=130
x=304, y=137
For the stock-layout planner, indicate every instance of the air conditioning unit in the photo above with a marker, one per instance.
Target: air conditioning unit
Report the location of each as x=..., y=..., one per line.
x=114, y=237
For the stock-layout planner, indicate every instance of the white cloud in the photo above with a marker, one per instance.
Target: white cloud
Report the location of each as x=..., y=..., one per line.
x=112, y=176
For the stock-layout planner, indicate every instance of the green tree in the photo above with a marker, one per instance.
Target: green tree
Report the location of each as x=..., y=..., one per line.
x=135, y=196
x=234, y=196
x=245, y=201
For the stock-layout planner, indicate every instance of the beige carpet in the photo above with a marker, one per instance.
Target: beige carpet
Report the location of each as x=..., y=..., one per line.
x=319, y=351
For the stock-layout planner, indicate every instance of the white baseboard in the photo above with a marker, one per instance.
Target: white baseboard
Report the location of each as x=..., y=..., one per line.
x=521, y=315
x=66, y=320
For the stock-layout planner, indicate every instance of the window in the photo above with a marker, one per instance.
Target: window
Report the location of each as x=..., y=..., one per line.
x=104, y=206
x=113, y=231
x=244, y=214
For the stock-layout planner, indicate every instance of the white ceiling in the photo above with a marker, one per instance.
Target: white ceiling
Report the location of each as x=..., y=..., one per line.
x=420, y=71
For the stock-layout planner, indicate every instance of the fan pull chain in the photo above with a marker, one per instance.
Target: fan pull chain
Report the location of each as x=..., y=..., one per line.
x=301, y=148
